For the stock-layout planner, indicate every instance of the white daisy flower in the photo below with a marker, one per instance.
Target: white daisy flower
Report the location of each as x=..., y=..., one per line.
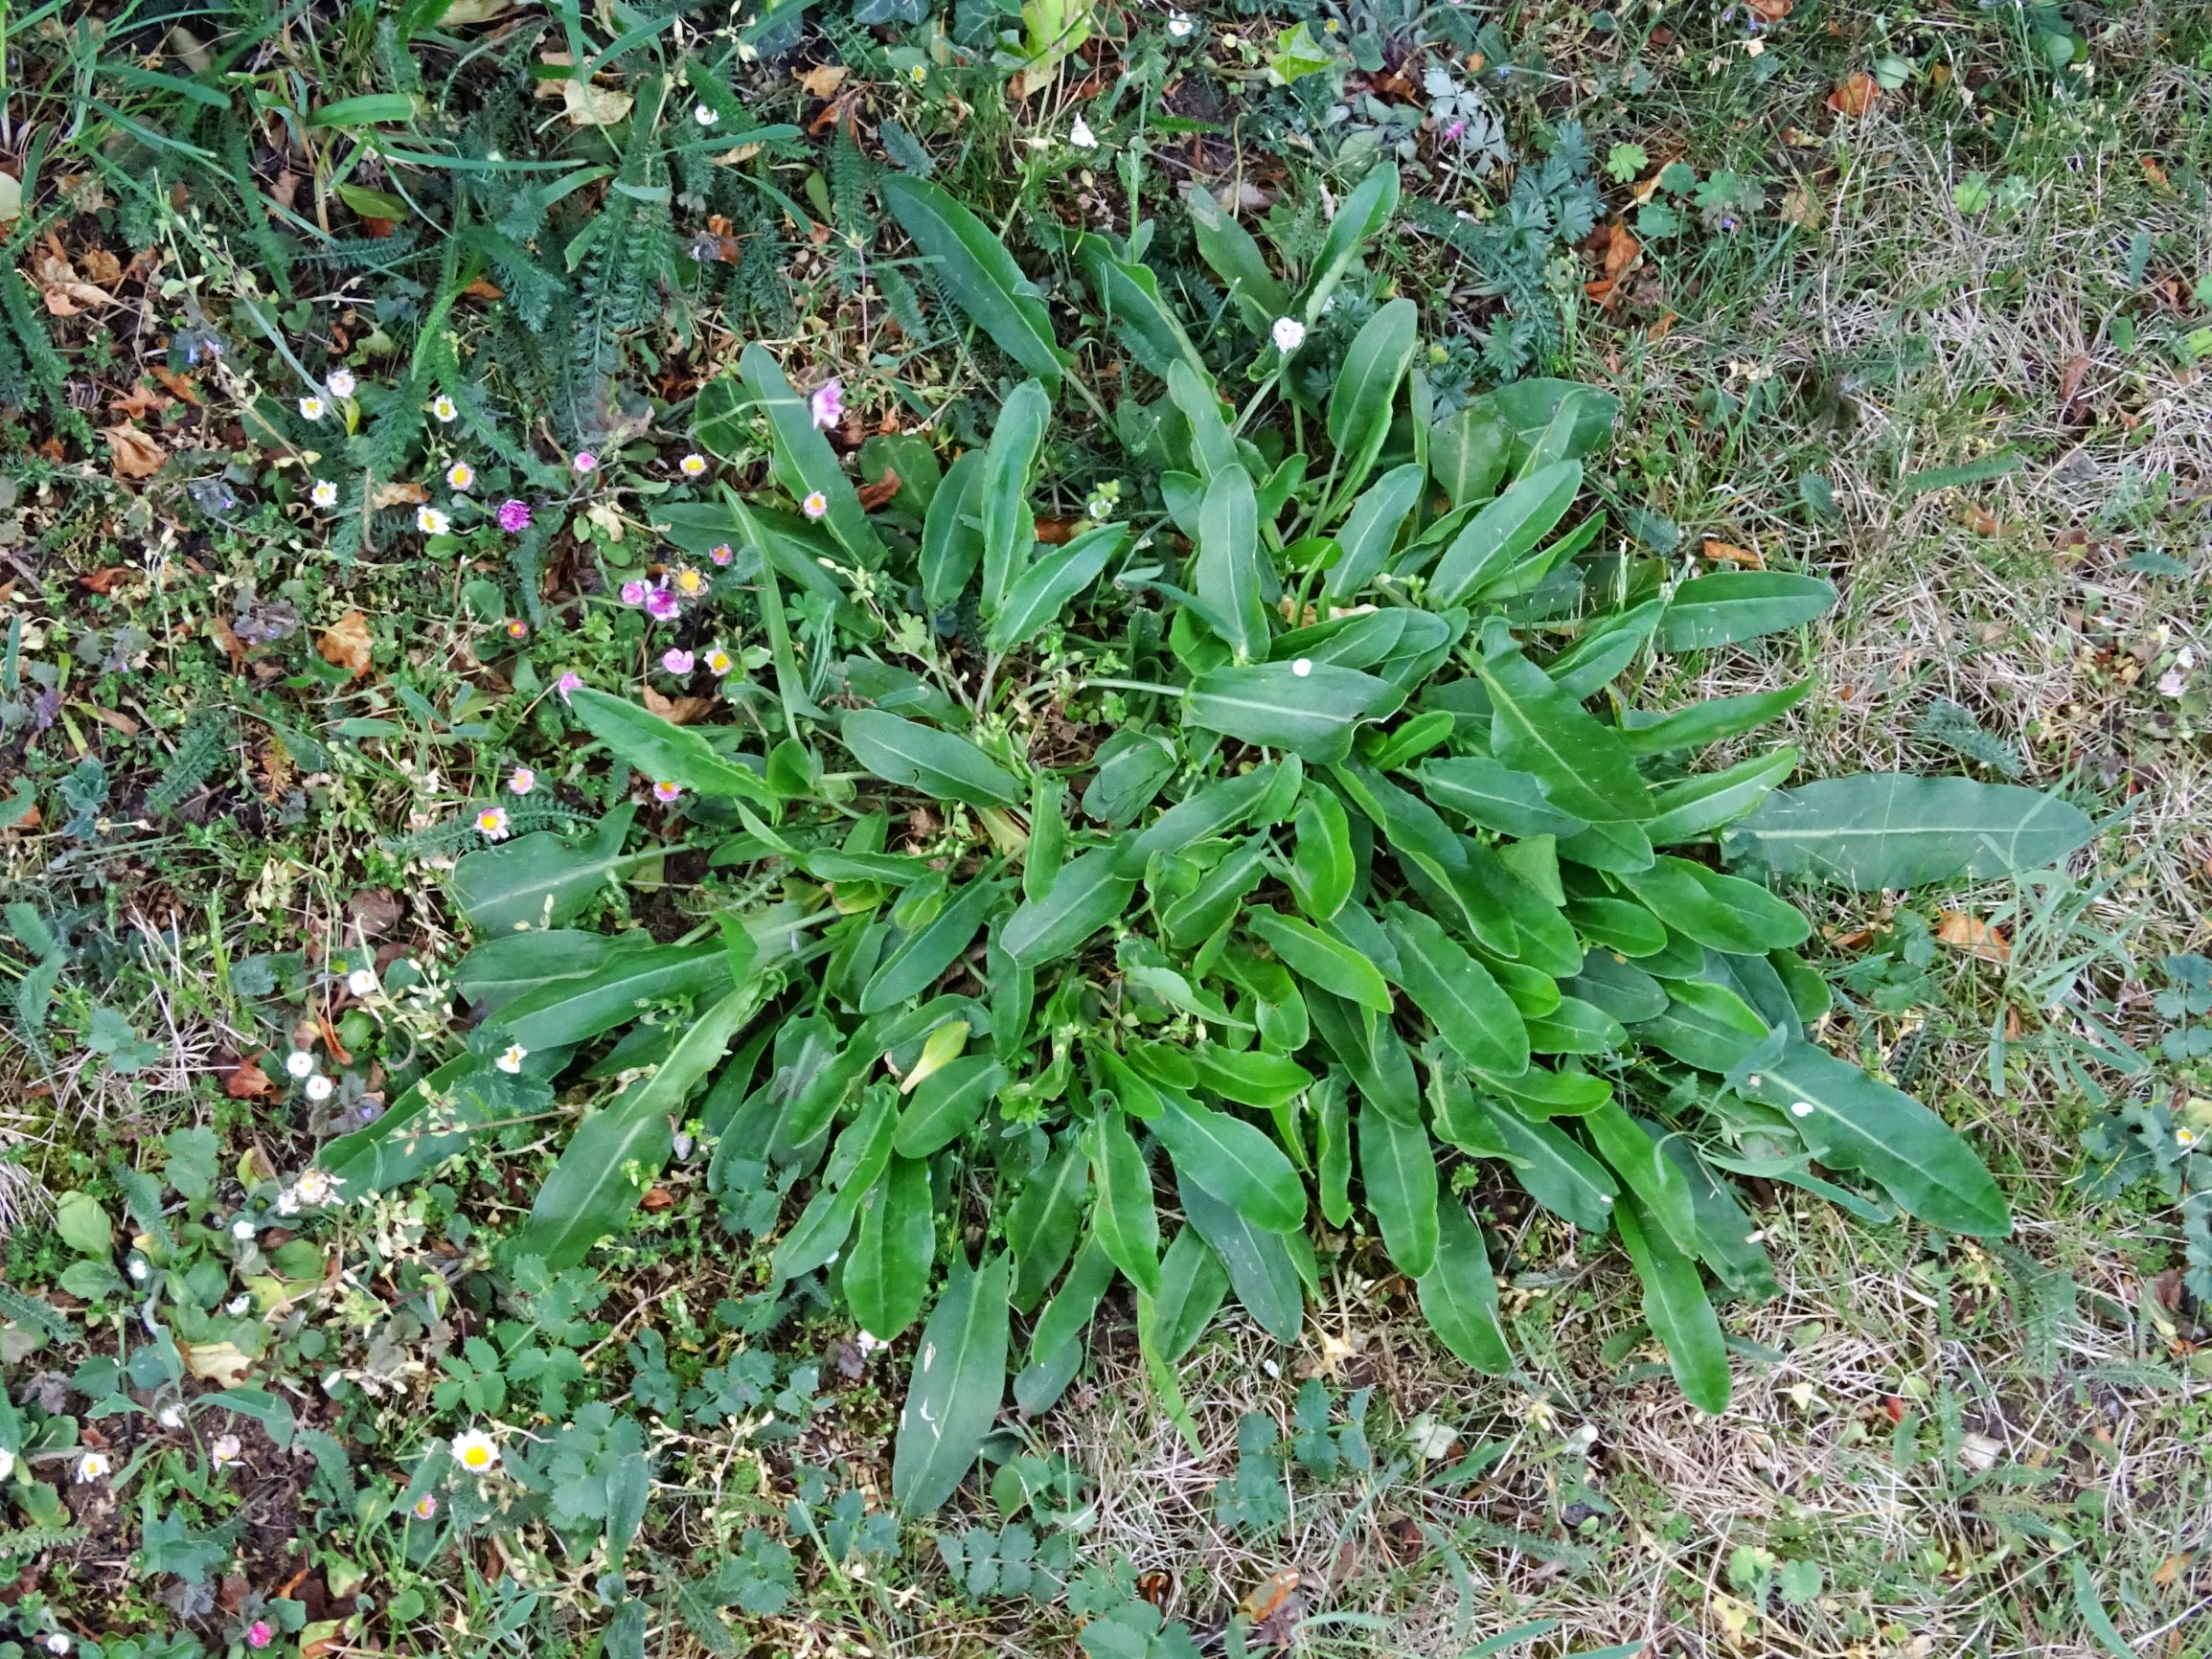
x=1288, y=334
x=362, y=983
x=324, y=493
x=445, y=408
x=93, y=1466
x=320, y=1087
x=311, y=408
x=1081, y=135
x=432, y=522
x=512, y=1060
x=227, y=1449
x=340, y=382
x=461, y=475
x=237, y=1304
x=521, y=781
x=242, y=1230
x=300, y=1063
x=316, y=1187
x=170, y=1415
x=138, y=1270
x=704, y=116
x=1179, y=25
x=816, y=505
x=476, y=1452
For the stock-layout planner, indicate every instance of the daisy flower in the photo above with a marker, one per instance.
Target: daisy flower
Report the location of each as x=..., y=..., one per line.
x=518, y=629
x=704, y=116
x=258, y=1634
x=1101, y=508
x=491, y=823
x=816, y=505
x=569, y=681
x=92, y=1467
x=918, y=73
x=1179, y=25
x=139, y=1271
x=425, y=1506
x=362, y=983
x=511, y=1060
x=57, y=1642
x=1302, y=666
x=170, y=1417
x=242, y=1230
x=1081, y=135
x=300, y=1063
x=692, y=465
x=2184, y=1137
x=585, y=460
x=667, y=793
x=634, y=593
x=461, y=475
x=719, y=661
x=1288, y=334
x=340, y=383
x=312, y=407
x=319, y=1087
x=827, y=404
x=432, y=522
x=324, y=493
x=690, y=583
x=226, y=1450
x=721, y=553
x=316, y=1187
x=521, y=781
x=476, y=1452
x=445, y=408
x=514, y=517
x=677, y=662
x=661, y=606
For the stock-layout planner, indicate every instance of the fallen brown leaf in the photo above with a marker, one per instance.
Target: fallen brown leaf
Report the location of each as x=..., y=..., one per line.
x=135, y=454
x=112, y=720
x=1058, y=531
x=245, y=1082
x=396, y=495
x=1769, y=11
x=678, y=710
x=1622, y=249
x=103, y=580
x=1729, y=553
x=880, y=493
x=179, y=384
x=823, y=79
x=2077, y=371
x=346, y=643
x=140, y=401
x=1856, y=95
x=1972, y=935
x=1980, y=519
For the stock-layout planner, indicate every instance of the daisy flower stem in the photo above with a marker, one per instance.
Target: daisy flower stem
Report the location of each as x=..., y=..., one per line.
x=1158, y=691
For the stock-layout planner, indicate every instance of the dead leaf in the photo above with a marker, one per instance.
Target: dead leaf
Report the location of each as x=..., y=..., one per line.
x=373, y=911
x=594, y=106
x=823, y=79
x=179, y=384
x=220, y=1361
x=1059, y=532
x=880, y=493
x=1766, y=10
x=395, y=495
x=1269, y=1594
x=656, y=1199
x=140, y=401
x=102, y=581
x=346, y=643
x=136, y=454
x=1729, y=553
x=1662, y=328
x=2077, y=370
x=99, y=266
x=480, y=290
x=1621, y=249
x=1972, y=935
x=2155, y=173
x=1856, y=95
x=1980, y=519
x=109, y=718
x=678, y=710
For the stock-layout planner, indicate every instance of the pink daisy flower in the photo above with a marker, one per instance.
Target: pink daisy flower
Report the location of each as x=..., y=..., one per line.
x=677, y=662
x=827, y=404
x=585, y=460
x=569, y=681
x=634, y=593
x=667, y=793
x=721, y=553
x=521, y=781
x=661, y=606
x=514, y=517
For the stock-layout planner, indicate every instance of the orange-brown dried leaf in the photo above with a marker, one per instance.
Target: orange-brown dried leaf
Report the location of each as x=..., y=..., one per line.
x=1856, y=95
x=396, y=494
x=245, y=1082
x=346, y=643
x=1972, y=935
x=880, y=493
x=133, y=453
x=1729, y=553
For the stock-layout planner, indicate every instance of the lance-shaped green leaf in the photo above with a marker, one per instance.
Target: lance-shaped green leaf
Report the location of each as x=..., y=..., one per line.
x=1677, y=1309
x=1009, y=526
x=572, y=1010
x=886, y=1273
x=1228, y=562
x=1235, y=1162
x=856, y=1163
x=1366, y=387
x=1141, y=320
x=1041, y=1227
x=1328, y=963
x=597, y=1180
x=1369, y=531
x=1312, y=713
x=1495, y=796
x=1213, y=445
x=1459, y=1295
x=1731, y=605
x=1168, y=1325
x=1471, y=1010
x=1850, y=1120
x=1123, y=1218
x=945, y=1104
x=1556, y=1170
x=1359, y=218
x=537, y=881
x=805, y=463
x=1322, y=867
x=1040, y=593
x=1261, y=1269
x=1662, y=1191
x=917, y=962
x=1089, y=894
x=953, y=532
x=1332, y=1102
x=952, y=1398
x=977, y=271
x=1890, y=829
x=1711, y=721
x=1229, y=249
x=1724, y=911
x=921, y=758
x=1584, y=767
x=1398, y=1168
x=665, y=753
x=1504, y=532
x=1467, y=453
x=1701, y=804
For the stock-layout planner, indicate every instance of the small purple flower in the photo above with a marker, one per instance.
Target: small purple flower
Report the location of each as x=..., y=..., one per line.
x=829, y=404
x=569, y=681
x=258, y=1634
x=1727, y=221
x=585, y=460
x=1452, y=133
x=677, y=662
x=514, y=517
x=662, y=605
x=634, y=593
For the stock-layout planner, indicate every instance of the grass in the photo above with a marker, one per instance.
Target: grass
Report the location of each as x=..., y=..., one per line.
x=1928, y=1439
